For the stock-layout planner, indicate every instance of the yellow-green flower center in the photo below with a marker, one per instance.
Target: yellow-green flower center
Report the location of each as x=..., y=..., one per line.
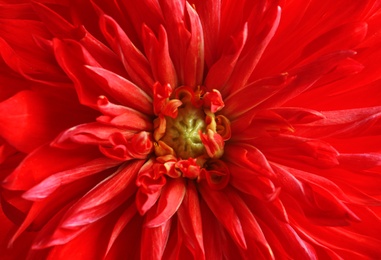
x=182, y=132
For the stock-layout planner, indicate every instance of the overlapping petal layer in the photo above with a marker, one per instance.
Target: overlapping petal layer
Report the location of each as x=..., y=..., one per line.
x=291, y=146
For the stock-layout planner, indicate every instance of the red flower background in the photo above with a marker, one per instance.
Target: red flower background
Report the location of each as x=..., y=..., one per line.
x=281, y=101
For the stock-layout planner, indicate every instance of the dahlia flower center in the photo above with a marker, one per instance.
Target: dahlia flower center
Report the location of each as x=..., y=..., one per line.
x=183, y=132
x=189, y=138
x=186, y=126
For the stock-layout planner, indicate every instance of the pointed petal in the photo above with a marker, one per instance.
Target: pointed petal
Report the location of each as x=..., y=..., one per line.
x=254, y=94
x=194, y=59
x=135, y=63
x=344, y=123
x=120, y=224
x=318, y=203
x=158, y=54
x=170, y=200
x=43, y=210
x=342, y=37
x=242, y=178
x=127, y=93
x=306, y=76
x=27, y=57
x=189, y=215
x=154, y=240
x=89, y=244
x=32, y=120
x=55, y=181
x=252, y=230
x=226, y=214
x=44, y=162
x=103, y=198
x=87, y=89
x=289, y=149
x=297, y=115
x=90, y=133
x=250, y=157
x=290, y=241
x=220, y=71
x=253, y=51
x=211, y=226
x=210, y=16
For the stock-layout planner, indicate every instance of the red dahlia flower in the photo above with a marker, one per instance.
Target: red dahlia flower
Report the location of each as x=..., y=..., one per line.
x=174, y=129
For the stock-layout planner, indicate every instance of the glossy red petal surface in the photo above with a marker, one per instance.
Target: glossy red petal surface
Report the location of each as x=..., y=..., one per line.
x=125, y=92
x=154, y=240
x=189, y=215
x=170, y=200
x=56, y=180
x=44, y=162
x=98, y=203
x=226, y=215
x=95, y=96
x=37, y=120
x=133, y=60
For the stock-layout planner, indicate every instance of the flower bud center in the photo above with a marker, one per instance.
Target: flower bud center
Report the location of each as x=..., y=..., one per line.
x=182, y=132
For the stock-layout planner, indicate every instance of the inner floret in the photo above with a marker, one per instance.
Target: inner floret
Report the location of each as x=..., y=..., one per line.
x=183, y=132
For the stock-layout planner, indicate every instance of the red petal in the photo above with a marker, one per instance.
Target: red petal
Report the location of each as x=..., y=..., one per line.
x=62, y=29
x=252, y=230
x=226, y=214
x=306, y=76
x=27, y=57
x=213, y=143
x=213, y=101
x=145, y=201
x=178, y=35
x=43, y=210
x=221, y=70
x=127, y=93
x=254, y=94
x=91, y=133
x=254, y=49
x=297, y=115
x=58, y=26
x=341, y=239
x=189, y=215
x=32, y=120
x=214, y=230
x=261, y=123
x=346, y=36
x=290, y=241
x=158, y=54
x=154, y=240
x=17, y=11
x=293, y=150
x=242, y=178
x=121, y=223
x=135, y=63
x=194, y=58
x=210, y=13
x=318, y=203
x=170, y=200
x=57, y=180
x=91, y=208
x=89, y=244
x=44, y=162
x=103, y=198
x=345, y=123
x=360, y=161
x=122, y=117
x=248, y=156
x=87, y=89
